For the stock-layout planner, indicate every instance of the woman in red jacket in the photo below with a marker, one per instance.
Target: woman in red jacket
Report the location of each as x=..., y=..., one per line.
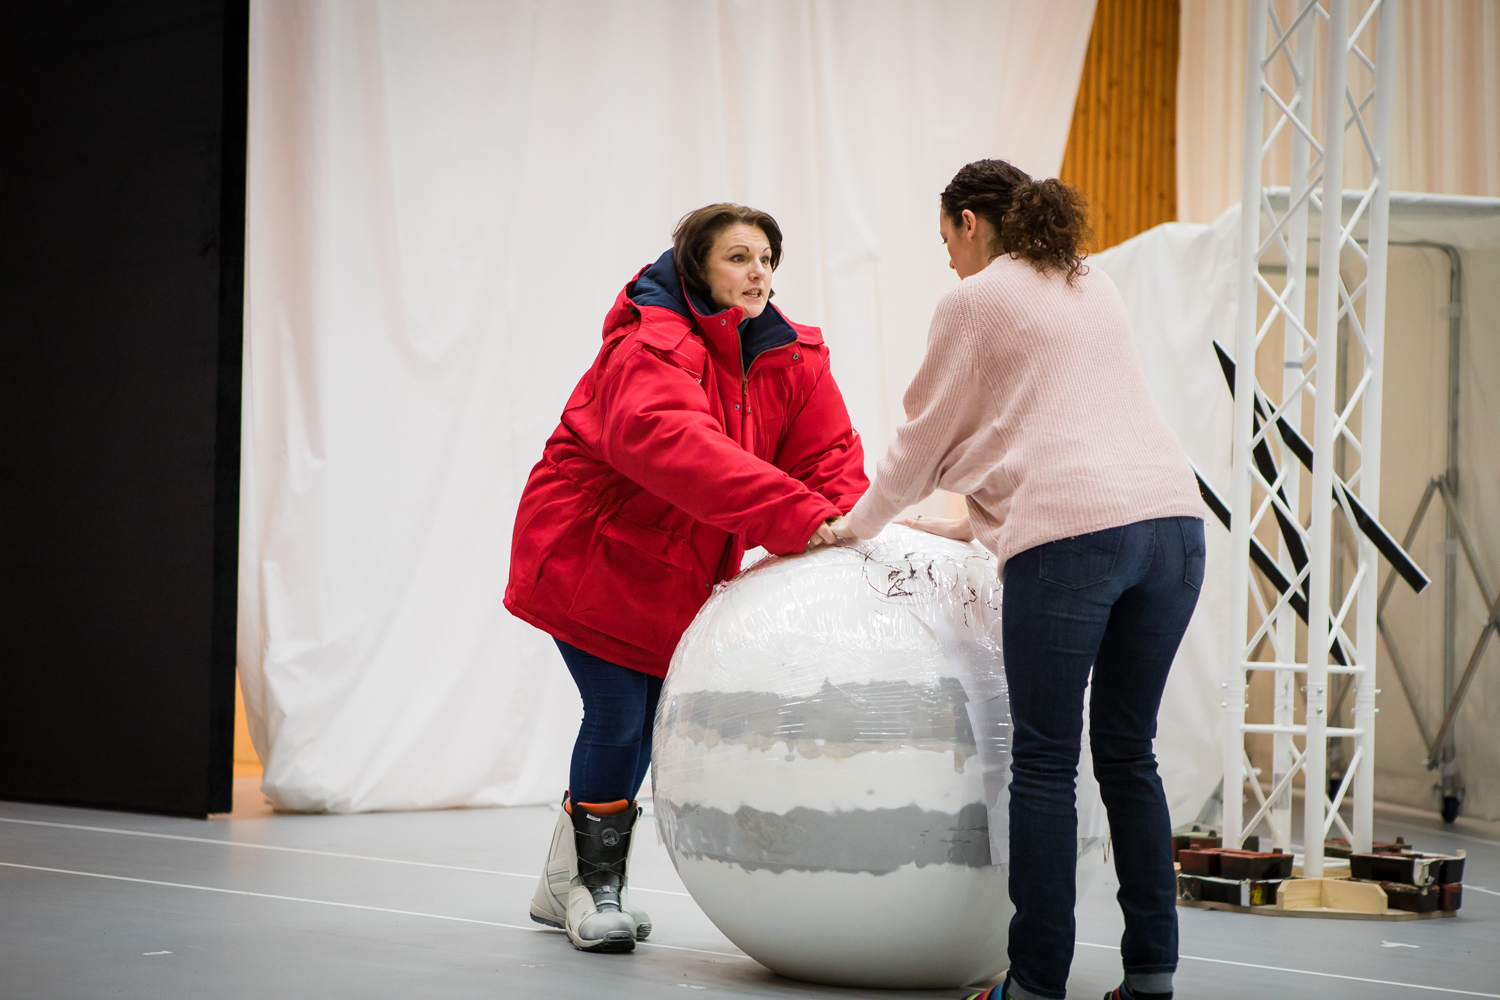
x=709, y=423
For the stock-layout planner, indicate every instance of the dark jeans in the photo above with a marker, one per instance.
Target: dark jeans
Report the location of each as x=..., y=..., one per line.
x=1118, y=601
x=613, y=750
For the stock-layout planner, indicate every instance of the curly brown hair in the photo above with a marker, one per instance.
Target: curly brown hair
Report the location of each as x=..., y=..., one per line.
x=696, y=232
x=1046, y=223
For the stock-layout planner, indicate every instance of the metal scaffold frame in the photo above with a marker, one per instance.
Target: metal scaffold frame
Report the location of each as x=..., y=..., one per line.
x=1300, y=575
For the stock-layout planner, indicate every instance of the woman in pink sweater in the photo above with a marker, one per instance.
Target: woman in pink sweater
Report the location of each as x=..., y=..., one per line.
x=1032, y=404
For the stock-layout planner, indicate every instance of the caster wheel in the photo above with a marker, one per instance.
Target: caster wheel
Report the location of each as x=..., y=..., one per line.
x=1450, y=808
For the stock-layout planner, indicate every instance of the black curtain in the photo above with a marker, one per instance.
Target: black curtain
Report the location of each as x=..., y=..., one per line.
x=122, y=230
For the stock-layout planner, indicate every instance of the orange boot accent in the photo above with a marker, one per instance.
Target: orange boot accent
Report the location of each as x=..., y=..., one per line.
x=605, y=808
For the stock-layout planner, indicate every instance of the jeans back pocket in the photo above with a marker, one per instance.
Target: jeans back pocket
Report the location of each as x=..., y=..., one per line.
x=1193, y=551
x=1080, y=561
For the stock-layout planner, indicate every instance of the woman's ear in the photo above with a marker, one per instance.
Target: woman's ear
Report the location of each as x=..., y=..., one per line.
x=971, y=224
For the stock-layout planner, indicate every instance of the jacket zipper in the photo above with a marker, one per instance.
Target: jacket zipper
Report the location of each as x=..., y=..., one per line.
x=745, y=381
x=744, y=416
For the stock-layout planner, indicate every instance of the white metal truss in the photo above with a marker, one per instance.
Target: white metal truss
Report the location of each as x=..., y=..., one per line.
x=1299, y=576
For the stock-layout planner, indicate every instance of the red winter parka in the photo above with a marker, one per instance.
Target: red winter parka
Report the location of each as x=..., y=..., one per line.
x=671, y=460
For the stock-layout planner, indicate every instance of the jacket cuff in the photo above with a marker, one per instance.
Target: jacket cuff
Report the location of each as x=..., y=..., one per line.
x=797, y=532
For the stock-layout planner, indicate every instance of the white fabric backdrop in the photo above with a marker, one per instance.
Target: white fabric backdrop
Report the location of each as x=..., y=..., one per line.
x=1178, y=283
x=444, y=199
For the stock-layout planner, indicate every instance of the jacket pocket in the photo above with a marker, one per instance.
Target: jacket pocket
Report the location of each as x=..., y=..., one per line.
x=639, y=585
x=1193, y=551
x=1081, y=561
x=642, y=516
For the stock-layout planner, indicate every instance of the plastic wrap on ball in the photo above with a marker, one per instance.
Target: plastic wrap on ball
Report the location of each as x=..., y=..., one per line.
x=832, y=750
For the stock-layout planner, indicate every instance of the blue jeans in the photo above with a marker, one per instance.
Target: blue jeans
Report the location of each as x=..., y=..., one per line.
x=1118, y=601
x=613, y=750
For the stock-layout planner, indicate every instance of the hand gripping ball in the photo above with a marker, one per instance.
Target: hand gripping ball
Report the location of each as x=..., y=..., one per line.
x=832, y=750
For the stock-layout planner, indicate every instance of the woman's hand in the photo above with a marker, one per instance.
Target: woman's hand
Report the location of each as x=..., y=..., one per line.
x=823, y=536
x=832, y=532
x=841, y=532
x=948, y=527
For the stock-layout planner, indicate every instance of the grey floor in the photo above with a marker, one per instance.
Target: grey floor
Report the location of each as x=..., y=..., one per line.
x=98, y=904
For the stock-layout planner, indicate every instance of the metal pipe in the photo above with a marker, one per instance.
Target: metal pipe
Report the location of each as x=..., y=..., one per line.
x=1450, y=483
x=1450, y=505
x=1450, y=521
x=1338, y=800
x=1233, y=747
x=1445, y=730
x=1367, y=639
x=1411, y=535
x=1282, y=787
x=1271, y=727
x=1406, y=688
x=1292, y=351
x=1318, y=638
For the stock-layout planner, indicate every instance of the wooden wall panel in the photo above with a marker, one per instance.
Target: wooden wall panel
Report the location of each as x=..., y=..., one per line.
x=1122, y=150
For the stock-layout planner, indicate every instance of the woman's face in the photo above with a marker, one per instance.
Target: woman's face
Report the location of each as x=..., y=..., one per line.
x=739, y=269
x=968, y=240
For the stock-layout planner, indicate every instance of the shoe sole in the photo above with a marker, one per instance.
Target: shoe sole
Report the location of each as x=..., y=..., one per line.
x=550, y=923
x=615, y=943
x=642, y=931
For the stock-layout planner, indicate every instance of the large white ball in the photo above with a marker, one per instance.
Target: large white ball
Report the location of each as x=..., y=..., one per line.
x=831, y=754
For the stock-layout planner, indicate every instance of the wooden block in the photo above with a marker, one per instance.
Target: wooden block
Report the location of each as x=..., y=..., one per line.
x=1331, y=894
x=1300, y=894
x=1361, y=897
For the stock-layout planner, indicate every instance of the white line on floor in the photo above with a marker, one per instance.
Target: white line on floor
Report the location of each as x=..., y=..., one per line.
x=1440, y=833
x=347, y=906
x=298, y=850
x=490, y=871
x=1309, y=972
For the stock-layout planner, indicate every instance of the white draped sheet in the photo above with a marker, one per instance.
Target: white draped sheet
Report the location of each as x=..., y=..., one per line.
x=1178, y=283
x=444, y=200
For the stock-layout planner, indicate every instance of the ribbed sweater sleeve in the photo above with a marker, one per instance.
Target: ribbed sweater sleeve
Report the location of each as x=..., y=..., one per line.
x=942, y=409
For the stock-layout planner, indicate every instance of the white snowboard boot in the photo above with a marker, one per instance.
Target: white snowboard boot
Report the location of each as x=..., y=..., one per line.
x=560, y=875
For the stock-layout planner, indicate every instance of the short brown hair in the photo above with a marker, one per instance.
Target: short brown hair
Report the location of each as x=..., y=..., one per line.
x=695, y=234
x=1045, y=223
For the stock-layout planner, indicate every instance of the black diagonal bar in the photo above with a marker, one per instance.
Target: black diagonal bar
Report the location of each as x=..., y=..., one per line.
x=1266, y=466
x=1372, y=529
x=1263, y=562
x=1289, y=435
x=1388, y=546
x=1213, y=500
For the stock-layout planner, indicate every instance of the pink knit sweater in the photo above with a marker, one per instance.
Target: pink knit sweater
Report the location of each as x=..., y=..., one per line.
x=1031, y=402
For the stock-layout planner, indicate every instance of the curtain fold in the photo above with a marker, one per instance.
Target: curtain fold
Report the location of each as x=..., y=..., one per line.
x=444, y=200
